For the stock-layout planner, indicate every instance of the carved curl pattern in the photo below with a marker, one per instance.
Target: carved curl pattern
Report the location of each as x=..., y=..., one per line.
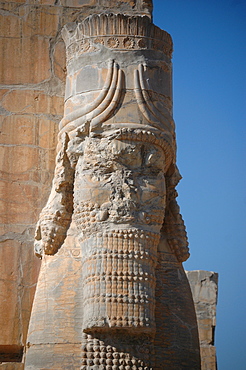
x=95, y=113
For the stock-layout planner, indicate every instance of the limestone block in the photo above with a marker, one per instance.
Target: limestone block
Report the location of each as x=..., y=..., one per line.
x=204, y=286
x=16, y=229
x=25, y=159
x=47, y=136
x=60, y=61
x=57, y=356
x=11, y=6
x=11, y=366
x=10, y=25
x=17, y=129
x=43, y=21
x=17, y=274
x=24, y=60
x=208, y=357
x=32, y=101
x=26, y=129
x=9, y=253
x=21, y=211
x=2, y=93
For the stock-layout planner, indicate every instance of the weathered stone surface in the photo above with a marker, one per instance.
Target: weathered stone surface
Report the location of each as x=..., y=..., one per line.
x=204, y=286
x=24, y=66
x=32, y=101
x=31, y=105
x=60, y=61
x=11, y=366
x=116, y=285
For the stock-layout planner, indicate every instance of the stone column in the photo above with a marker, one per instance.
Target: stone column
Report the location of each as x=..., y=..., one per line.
x=114, y=295
x=204, y=287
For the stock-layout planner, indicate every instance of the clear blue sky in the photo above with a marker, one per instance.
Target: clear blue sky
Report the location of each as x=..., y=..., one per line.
x=209, y=90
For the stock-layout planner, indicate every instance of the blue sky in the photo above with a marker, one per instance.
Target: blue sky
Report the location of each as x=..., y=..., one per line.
x=209, y=91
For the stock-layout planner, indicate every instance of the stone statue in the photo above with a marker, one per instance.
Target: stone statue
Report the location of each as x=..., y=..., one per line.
x=115, y=180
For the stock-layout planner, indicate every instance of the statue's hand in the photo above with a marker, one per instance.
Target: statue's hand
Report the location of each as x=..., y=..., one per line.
x=48, y=238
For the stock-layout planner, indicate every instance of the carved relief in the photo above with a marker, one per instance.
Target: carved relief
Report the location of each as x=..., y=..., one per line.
x=96, y=352
x=91, y=116
x=119, y=199
x=155, y=115
x=113, y=42
x=134, y=33
x=128, y=42
x=124, y=183
x=115, y=177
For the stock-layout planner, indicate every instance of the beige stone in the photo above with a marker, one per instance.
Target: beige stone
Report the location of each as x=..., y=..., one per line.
x=11, y=366
x=110, y=282
x=7, y=229
x=18, y=129
x=9, y=288
x=60, y=61
x=10, y=25
x=9, y=270
x=45, y=22
x=16, y=279
x=208, y=356
x=2, y=93
x=32, y=101
x=24, y=60
x=18, y=159
x=204, y=286
x=33, y=69
x=47, y=135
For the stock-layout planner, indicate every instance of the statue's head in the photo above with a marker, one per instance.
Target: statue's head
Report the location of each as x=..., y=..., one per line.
x=123, y=181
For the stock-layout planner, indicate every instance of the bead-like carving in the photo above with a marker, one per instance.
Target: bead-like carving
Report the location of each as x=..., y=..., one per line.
x=131, y=356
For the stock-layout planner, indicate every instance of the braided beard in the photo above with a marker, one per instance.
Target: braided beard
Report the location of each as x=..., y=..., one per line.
x=118, y=274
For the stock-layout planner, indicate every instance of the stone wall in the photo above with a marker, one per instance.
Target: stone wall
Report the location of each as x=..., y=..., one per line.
x=204, y=287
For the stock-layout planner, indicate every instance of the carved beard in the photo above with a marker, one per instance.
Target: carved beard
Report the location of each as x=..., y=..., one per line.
x=119, y=203
x=118, y=273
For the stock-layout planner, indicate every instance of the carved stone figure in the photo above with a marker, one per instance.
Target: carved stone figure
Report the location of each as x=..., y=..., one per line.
x=127, y=303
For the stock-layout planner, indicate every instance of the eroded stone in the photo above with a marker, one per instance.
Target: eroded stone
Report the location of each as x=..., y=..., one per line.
x=115, y=180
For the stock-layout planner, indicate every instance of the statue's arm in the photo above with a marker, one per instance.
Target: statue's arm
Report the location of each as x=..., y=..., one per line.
x=56, y=216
